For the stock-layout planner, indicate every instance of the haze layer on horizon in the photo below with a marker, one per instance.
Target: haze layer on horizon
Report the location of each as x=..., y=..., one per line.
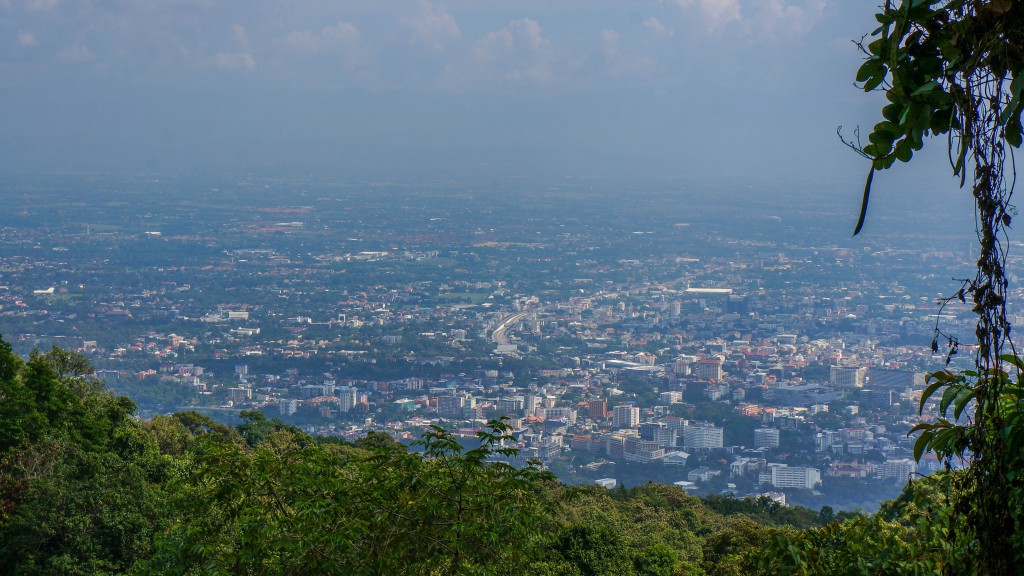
x=658, y=89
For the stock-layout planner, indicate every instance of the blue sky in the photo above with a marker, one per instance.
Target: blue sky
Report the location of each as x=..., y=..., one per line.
x=568, y=88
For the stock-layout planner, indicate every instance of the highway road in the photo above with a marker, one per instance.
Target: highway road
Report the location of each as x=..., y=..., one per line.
x=500, y=334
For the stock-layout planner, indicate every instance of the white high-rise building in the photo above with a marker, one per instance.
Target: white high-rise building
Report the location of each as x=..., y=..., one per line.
x=900, y=469
x=783, y=476
x=451, y=406
x=288, y=406
x=512, y=406
x=626, y=416
x=347, y=398
x=847, y=376
x=671, y=397
x=530, y=404
x=709, y=369
x=766, y=438
x=701, y=436
x=564, y=414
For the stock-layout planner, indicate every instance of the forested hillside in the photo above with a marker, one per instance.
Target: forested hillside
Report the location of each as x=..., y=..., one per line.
x=85, y=488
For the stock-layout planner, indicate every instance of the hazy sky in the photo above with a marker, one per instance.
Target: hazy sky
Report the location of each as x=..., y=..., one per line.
x=670, y=88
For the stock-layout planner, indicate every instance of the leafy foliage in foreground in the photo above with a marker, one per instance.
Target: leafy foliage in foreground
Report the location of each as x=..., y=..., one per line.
x=290, y=505
x=86, y=489
x=956, y=67
x=910, y=535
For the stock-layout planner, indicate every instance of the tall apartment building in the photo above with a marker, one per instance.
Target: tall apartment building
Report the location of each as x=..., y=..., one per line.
x=626, y=416
x=766, y=438
x=530, y=404
x=783, y=476
x=667, y=437
x=451, y=406
x=709, y=369
x=648, y=430
x=847, y=376
x=826, y=439
x=659, y=432
x=288, y=406
x=563, y=414
x=900, y=469
x=240, y=394
x=898, y=379
x=348, y=397
x=598, y=409
x=671, y=397
x=511, y=406
x=742, y=466
x=643, y=451
x=615, y=444
x=702, y=436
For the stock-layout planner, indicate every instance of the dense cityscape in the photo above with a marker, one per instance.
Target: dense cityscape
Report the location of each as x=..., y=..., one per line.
x=629, y=334
x=577, y=288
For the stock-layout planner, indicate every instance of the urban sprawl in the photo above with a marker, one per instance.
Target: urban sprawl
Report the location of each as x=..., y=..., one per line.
x=626, y=336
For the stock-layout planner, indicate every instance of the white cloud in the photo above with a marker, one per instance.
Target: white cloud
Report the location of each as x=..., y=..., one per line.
x=335, y=38
x=658, y=29
x=518, y=52
x=758, y=18
x=27, y=40
x=238, y=60
x=433, y=28
x=77, y=54
x=620, y=64
x=232, y=61
x=778, y=17
x=342, y=39
x=713, y=14
x=340, y=36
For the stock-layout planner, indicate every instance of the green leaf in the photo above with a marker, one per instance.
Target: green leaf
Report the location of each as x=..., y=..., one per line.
x=920, y=426
x=886, y=128
x=884, y=162
x=877, y=46
x=904, y=152
x=929, y=390
x=919, y=446
x=961, y=401
x=1017, y=86
x=874, y=82
x=928, y=87
x=1013, y=132
x=1013, y=360
x=882, y=139
x=961, y=157
x=870, y=68
x=892, y=112
x=864, y=200
x=947, y=398
x=917, y=138
x=1006, y=114
x=910, y=115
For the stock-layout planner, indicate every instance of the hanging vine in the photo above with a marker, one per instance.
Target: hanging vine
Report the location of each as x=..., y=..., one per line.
x=956, y=68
